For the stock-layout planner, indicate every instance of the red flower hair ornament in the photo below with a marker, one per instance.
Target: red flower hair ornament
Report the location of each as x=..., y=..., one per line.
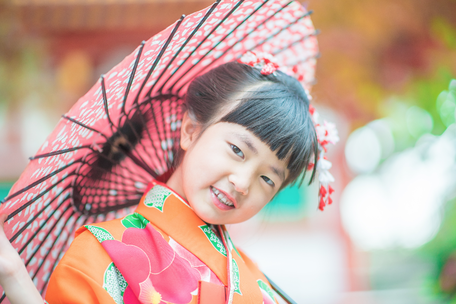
x=326, y=132
x=263, y=61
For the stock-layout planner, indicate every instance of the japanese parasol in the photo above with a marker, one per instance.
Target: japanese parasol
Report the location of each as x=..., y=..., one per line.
x=125, y=131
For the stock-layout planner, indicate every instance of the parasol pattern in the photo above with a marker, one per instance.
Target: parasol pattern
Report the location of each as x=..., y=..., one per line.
x=125, y=131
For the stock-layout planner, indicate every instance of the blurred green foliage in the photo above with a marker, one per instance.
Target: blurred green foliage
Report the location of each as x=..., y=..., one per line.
x=424, y=108
x=375, y=54
x=443, y=245
x=443, y=29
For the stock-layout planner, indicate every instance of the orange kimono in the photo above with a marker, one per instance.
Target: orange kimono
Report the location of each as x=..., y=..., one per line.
x=160, y=254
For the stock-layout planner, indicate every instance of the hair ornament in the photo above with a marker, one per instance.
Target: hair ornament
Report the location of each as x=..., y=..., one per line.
x=326, y=132
x=262, y=61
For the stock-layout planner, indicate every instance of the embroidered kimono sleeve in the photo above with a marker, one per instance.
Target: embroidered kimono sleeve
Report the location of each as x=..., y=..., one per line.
x=80, y=275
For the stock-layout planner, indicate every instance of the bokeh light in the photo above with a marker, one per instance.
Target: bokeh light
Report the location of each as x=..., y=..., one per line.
x=363, y=150
x=419, y=121
x=400, y=204
x=446, y=103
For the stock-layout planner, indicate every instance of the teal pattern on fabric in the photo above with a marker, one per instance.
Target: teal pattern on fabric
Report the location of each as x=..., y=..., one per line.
x=236, y=278
x=134, y=220
x=156, y=197
x=114, y=283
x=99, y=233
x=213, y=238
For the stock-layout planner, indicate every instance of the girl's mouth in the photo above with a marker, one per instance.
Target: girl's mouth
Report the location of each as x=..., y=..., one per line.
x=221, y=200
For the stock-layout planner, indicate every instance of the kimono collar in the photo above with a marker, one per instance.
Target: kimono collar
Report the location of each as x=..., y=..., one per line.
x=173, y=218
x=169, y=212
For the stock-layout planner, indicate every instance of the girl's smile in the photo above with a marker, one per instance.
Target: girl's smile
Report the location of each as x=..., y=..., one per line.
x=222, y=200
x=227, y=173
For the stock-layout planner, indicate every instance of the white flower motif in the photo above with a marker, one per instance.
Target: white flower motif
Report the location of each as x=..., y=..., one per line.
x=266, y=56
x=332, y=136
x=323, y=164
x=315, y=117
x=249, y=58
x=321, y=132
x=309, y=97
x=327, y=133
x=324, y=177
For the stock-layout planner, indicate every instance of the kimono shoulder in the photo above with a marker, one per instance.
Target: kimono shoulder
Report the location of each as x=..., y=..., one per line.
x=78, y=278
x=87, y=273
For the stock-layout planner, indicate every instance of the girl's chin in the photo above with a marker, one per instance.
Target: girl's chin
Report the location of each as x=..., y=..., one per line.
x=207, y=210
x=211, y=218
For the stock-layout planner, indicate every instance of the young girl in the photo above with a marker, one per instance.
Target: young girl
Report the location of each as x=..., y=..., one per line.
x=246, y=134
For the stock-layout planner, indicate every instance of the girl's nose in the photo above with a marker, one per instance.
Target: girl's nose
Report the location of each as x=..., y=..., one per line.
x=240, y=182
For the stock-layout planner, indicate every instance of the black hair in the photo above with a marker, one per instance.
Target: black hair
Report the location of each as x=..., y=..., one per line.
x=274, y=107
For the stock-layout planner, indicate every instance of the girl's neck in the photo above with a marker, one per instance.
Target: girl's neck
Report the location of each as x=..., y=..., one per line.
x=175, y=182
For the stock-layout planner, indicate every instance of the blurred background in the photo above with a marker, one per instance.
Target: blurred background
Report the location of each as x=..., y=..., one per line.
x=384, y=77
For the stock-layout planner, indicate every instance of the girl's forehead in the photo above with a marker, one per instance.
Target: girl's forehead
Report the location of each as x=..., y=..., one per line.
x=240, y=135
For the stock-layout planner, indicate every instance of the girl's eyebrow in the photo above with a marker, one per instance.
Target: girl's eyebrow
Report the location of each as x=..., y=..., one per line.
x=246, y=140
x=280, y=173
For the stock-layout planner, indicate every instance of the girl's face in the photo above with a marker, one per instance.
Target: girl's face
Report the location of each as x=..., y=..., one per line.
x=227, y=174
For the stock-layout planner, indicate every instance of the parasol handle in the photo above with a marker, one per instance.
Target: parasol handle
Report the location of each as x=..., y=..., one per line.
x=280, y=292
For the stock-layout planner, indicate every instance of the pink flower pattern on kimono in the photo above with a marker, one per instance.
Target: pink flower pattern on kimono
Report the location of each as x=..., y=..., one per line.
x=206, y=273
x=153, y=270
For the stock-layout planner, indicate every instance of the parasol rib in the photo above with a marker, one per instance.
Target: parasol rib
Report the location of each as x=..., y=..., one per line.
x=279, y=31
x=59, y=152
x=132, y=76
x=84, y=126
x=36, y=183
x=49, y=252
x=247, y=35
x=13, y=238
x=67, y=244
x=165, y=46
x=105, y=103
x=204, y=40
x=208, y=13
x=47, y=234
x=315, y=33
x=87, y=162
x=232, y=31
x=158, y=133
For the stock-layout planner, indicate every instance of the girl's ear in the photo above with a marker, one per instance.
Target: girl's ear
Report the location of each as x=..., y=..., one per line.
x=189, y=132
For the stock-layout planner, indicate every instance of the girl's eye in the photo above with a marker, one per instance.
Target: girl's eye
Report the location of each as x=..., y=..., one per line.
x=268, y=181
x=237, y=151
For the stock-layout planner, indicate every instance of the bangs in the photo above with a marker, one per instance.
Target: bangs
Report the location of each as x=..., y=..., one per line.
x=273, y=113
